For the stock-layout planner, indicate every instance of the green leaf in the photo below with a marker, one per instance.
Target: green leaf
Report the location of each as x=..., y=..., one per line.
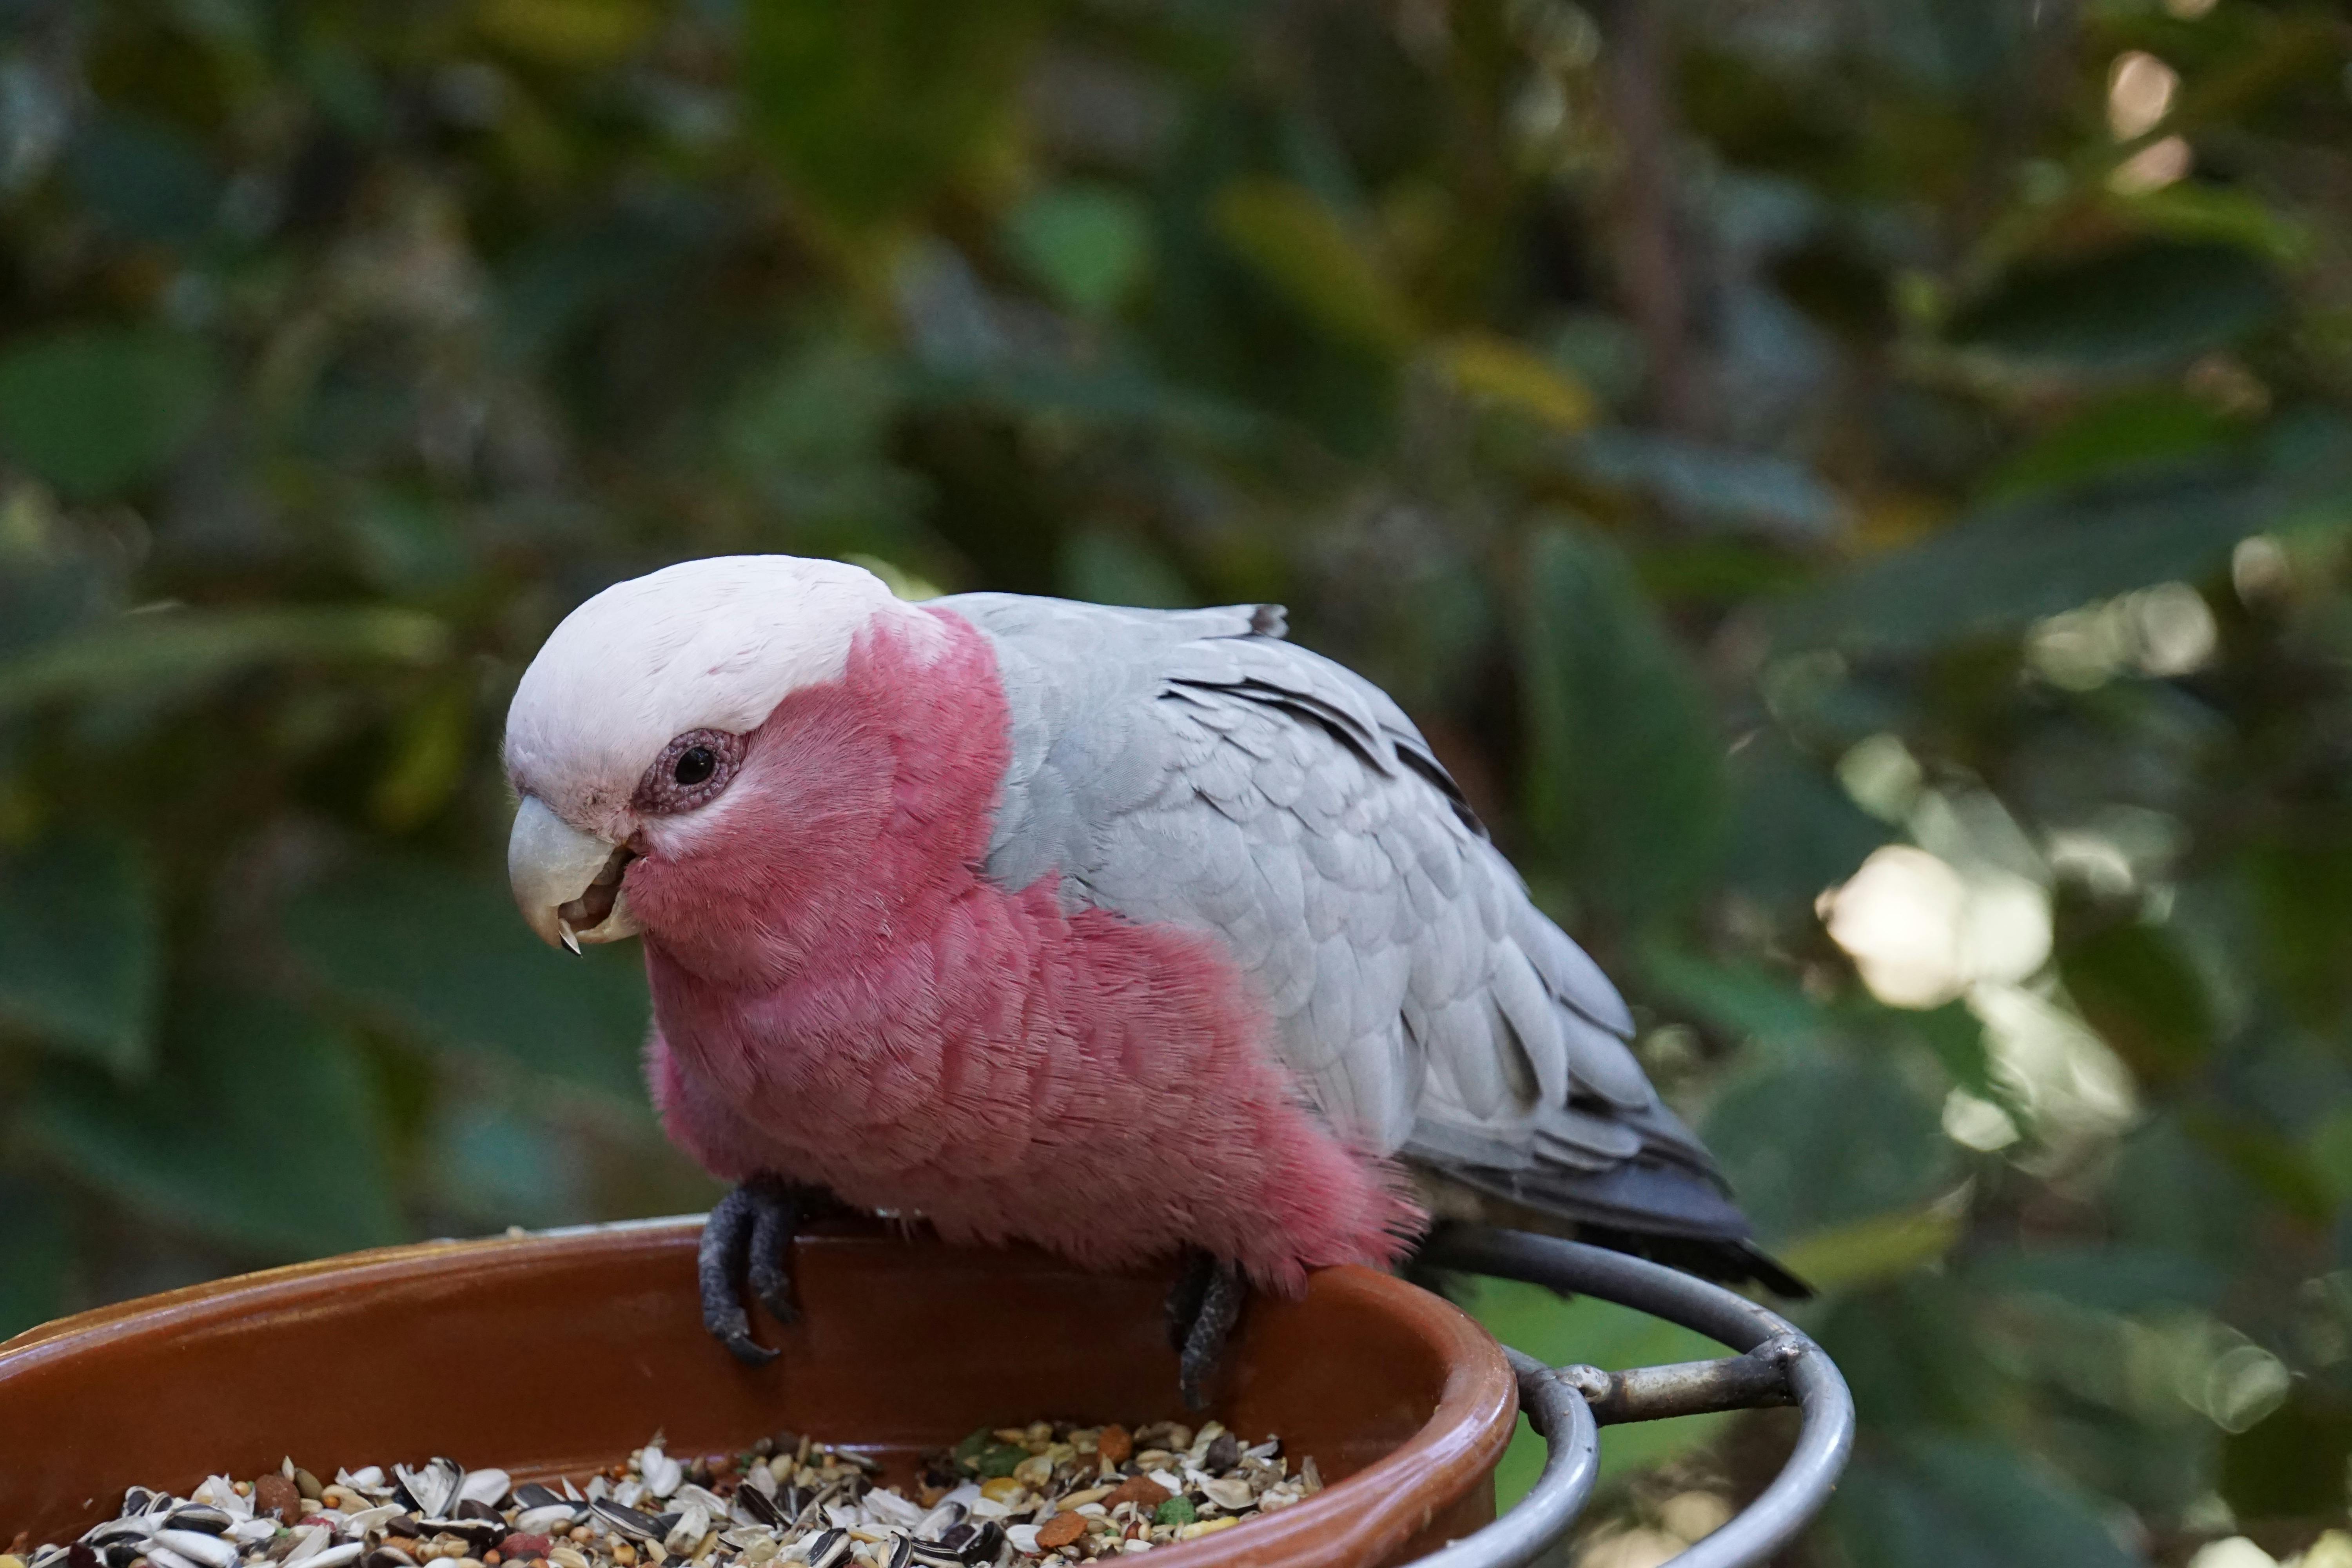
x=1716, y=488
x=96, y=410
x=812, y=430
x=446, y=959
x=578, y=34
x=1952, y=1504
x=2279, y=1168
x=2133, y=308
x=1821, y=1140
x=144, y=179
x=1626, y=773
x=1744, y=999
x=81, y=948
x=2292, y=1462
x=2231, y=215
x=164, y=652
x=2173, y=1192
x=1316, y=261
x=1955, y=1037
x=261, y=1130
x=1585, y=1331
x=2300, y=888
x=1106, y=568
x=1913, y=1353
x=1089, y=245
x=2329, y=1147
x=1794, y=831
x=35, y=1255
x=43, y=597
x=1873, y=1249
x=2000, y=568
x=2108, y=1277
x=1494, y=371
x=2135, y=988
x=874, y=106
x=501, y=1164
x=2141, y=428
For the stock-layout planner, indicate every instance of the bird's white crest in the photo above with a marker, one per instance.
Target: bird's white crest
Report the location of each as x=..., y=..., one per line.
x=705, y=645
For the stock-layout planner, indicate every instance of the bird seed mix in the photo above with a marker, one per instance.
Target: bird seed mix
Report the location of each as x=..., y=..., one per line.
x=1040, y=1494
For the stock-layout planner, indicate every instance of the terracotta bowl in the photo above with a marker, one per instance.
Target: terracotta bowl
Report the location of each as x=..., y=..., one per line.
x=559, y=1354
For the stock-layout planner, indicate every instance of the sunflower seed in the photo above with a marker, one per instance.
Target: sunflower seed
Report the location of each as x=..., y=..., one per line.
x=662, y=1473
x=636, y=1526
x=681, y=1538
x=432, y=1487
x=308, y=1542
x=200, y=1517
x=485, y=1488
x=547, y=1519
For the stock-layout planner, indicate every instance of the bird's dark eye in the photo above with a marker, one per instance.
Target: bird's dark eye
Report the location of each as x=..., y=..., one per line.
x=692, y=771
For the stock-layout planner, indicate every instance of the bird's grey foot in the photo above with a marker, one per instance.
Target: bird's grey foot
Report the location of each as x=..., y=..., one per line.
x=1203, y=1306
x=748, y=1239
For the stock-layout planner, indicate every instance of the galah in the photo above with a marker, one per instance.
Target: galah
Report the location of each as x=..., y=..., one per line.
x=1135, y=934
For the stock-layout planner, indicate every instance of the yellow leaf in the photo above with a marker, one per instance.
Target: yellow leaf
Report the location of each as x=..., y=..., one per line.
x=429, y=757
x=581, y=35
x=1495, y=370
x=1302, y=249
x=1871, y=1250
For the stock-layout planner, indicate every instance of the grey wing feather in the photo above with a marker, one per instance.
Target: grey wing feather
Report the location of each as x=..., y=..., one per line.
x=1189, y=767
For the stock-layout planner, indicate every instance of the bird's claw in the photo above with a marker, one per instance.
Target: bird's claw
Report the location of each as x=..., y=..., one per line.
x=731, y=1327
x=748, y=1239
x=1203, y=1306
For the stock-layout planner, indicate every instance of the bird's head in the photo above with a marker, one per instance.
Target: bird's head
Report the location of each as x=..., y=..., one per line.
x=635, y=722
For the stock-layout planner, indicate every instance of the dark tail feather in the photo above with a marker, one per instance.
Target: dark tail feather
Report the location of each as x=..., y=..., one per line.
x=1768, y=1271
x=1727, y=1260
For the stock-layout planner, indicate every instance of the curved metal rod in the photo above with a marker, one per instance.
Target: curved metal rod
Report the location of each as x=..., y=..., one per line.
x=1557, y=1410
x=1823, y=1445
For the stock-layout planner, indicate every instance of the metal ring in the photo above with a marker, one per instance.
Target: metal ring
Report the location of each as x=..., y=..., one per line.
x=1554, y=1407
x=1550, y=1510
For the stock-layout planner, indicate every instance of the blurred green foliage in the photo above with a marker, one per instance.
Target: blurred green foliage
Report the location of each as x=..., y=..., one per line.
x=1756, y=437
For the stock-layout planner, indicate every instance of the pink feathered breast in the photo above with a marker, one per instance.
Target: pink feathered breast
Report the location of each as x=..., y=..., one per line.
x=841, y=996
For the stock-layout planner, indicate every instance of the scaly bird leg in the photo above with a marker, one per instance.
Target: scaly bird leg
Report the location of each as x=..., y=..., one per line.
x=748, y=1239
x=1203, y=1306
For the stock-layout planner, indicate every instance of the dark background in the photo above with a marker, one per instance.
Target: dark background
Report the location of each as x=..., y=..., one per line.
x=1762, y=440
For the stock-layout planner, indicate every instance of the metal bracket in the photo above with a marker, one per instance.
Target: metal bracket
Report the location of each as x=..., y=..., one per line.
x=1778, y=1364
x=1691, y=1387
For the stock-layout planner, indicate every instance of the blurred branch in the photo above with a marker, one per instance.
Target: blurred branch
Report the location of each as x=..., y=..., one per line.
x=1646, y=248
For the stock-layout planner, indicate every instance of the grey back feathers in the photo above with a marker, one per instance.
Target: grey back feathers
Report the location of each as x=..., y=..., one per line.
x=1192, y=767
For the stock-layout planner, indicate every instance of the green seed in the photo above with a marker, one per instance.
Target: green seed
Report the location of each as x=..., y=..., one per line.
x=999, y=1459
x=1176, y=1511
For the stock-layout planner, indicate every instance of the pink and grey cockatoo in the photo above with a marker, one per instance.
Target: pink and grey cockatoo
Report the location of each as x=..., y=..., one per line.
x=1130, y=933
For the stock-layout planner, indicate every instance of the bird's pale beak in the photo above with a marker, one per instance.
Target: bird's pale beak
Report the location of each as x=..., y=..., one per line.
x=566, y=882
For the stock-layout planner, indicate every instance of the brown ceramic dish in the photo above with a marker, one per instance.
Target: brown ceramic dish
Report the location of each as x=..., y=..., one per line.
x=561, y=1353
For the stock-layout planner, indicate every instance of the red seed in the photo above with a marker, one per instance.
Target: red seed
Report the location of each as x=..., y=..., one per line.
x=1138, y=1489
x=1061, y=1530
